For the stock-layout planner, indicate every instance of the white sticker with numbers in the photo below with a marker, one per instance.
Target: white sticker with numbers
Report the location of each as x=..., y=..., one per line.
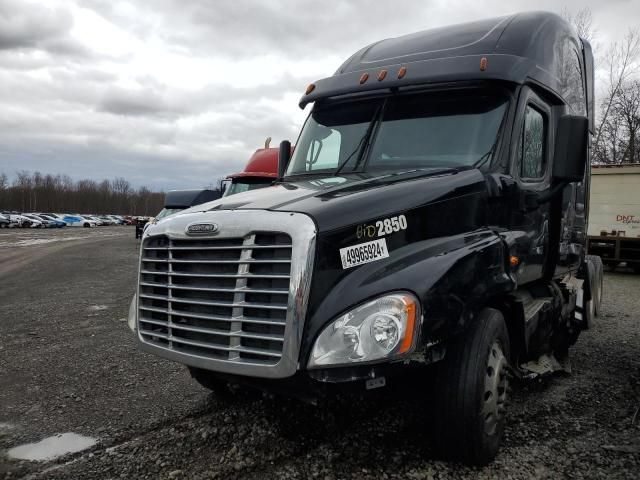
x=363, y=253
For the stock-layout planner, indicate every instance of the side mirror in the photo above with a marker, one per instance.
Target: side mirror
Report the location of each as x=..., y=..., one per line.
x=284, y=154
x=570, y=155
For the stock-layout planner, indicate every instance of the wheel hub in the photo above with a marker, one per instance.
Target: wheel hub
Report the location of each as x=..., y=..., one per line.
x=495, y=389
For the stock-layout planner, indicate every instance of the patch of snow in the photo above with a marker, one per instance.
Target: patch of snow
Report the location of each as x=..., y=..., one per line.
x=38, y=241
x=52, y=447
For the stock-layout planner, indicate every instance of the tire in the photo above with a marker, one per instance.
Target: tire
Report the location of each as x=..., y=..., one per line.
x=597, y=286
x=86, y=225
x=472, y=388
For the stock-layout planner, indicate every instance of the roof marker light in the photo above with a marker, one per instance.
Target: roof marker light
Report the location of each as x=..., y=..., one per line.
x=364, y=77
x=402, y=72
x=310, y=88
x=382, y=75
x=483, y=64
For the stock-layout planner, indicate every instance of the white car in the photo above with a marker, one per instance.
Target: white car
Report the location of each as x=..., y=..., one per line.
x=94, y=219
x=24, y=222
x=78, y=221
x=37, y=222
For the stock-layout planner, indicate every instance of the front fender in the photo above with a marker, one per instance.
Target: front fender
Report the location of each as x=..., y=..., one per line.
x=452, y=276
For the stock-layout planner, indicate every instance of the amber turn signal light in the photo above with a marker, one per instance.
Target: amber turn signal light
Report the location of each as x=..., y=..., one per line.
x=514, y=261
x=407, y=341
x=382, y=75
x=402, y=72
x=483, y=64
x=310, y=88
x=364, y=77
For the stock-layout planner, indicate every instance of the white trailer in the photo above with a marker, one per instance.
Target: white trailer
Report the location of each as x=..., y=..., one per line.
x=614, y=214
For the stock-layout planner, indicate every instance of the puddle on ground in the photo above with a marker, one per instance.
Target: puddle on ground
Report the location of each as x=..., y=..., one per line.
x=52, y=447
x=98, y=307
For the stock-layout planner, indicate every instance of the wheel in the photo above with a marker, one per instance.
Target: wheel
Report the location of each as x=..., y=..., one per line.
x=596, y=275
x=471, y=392
x=86, y=225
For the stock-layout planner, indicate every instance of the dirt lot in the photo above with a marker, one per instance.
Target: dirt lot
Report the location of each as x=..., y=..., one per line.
x=68, y=363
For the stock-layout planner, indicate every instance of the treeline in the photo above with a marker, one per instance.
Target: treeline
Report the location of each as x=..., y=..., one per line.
x=37, y=192
x=617, y=122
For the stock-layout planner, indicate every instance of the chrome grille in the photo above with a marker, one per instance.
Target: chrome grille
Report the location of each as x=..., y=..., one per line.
x=223, y=299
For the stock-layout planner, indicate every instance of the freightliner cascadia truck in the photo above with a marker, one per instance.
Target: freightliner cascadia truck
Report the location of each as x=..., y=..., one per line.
x=432, y=220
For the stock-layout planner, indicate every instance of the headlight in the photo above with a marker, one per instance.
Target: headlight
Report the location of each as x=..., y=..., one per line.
x=383, y=328
x=132, y=314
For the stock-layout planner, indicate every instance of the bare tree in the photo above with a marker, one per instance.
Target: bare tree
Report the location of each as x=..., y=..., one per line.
x=621, y=64
x=626, y=106
x=582, y=21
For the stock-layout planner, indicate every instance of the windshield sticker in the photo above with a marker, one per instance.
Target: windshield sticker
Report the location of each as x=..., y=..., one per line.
x=363, y=253
x=382, y=227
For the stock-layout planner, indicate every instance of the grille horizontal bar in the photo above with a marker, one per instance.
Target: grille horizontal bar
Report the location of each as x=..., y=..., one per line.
x=199, y=316
x=175, y=260
x=214, y=275
x=213, y=304
x=213, y=346
x=278, y=291
x=227, y=247
x=213, y=331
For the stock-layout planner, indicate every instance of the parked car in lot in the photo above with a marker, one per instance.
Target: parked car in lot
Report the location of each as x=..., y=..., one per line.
x=38, y=222
x=4, y=222
x=78, y=221
x=15, y=221
x=97, y=220
x=106, y=220
x=54, y=222
x=118, y=219
x=20, y=220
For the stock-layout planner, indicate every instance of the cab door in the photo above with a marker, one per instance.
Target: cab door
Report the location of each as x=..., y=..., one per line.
x=531, y=170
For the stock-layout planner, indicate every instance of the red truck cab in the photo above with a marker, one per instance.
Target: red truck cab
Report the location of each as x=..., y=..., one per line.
x=261, y=171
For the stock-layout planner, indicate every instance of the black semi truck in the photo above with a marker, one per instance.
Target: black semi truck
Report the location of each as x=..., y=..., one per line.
x=431, y=220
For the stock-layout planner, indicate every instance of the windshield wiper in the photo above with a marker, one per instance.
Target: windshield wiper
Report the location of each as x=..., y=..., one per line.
x=487, y=156
x=361, y=147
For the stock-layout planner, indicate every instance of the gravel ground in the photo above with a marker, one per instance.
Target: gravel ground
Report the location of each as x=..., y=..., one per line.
x=68, y=363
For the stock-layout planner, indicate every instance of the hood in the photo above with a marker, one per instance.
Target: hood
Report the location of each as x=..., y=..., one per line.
x=334, y=202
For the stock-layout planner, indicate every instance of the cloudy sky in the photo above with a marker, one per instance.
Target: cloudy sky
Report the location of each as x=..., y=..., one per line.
x=175, y=93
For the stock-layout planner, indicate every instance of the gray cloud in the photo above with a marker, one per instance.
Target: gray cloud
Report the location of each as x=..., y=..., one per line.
x=25, y=25
x=28, y=26
x=86, y=104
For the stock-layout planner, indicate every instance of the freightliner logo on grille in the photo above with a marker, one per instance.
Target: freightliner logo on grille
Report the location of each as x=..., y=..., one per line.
x=202, y=228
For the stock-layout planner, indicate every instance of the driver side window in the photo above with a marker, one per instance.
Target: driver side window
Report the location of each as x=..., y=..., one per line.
x=532, y=145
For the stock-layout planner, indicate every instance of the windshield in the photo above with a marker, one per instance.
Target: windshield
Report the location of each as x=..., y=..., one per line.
x=165, y=212
x=399, y=133
x=247, y=184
